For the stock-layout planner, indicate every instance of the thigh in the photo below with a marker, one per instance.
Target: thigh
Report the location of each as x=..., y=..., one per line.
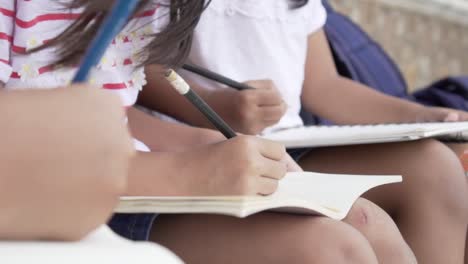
x=458, y=148
x=461, y=150
x=262, y=238
x=426, y=166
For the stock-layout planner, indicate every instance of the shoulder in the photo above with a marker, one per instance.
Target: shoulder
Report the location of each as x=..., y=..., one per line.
x=316, y=15
x=278, y=10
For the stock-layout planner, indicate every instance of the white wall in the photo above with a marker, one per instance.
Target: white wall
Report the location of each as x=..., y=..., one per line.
x=454, y=10
x=427, y=38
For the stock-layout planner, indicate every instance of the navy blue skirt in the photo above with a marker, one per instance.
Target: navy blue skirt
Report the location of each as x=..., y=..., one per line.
x=298, y=153
x=133, y=226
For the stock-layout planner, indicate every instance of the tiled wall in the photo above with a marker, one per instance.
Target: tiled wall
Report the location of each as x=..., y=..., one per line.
x=425, y=43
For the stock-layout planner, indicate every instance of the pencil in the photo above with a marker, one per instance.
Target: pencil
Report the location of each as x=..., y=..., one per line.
x=112, y=25
x=216, y=77
x=183, y=88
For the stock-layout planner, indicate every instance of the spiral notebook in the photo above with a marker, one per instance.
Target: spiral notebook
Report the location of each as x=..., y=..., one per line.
x=308, y=193
x=320, y=136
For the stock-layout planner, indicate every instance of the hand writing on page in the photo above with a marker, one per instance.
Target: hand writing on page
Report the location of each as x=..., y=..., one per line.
x=243, y=165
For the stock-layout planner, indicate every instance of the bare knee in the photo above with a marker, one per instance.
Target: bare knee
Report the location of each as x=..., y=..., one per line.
x=367, y=217
x=336, y=242
x=380, y=230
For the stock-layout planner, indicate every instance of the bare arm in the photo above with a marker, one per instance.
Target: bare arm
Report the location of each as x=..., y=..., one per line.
x=240, y=166
x=161, y=135
x=344, y=101
x=158, y=95
x=157, y=174
x=60, y=173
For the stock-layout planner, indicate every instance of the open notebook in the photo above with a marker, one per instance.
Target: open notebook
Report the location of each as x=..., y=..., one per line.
x=331, y=195
x=320, y=136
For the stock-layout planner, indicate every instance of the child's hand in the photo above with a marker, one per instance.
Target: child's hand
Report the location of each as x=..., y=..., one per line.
x=65, y=156
x=440, y=114
x=241, y=166
x=292, y=165
x=249, y=111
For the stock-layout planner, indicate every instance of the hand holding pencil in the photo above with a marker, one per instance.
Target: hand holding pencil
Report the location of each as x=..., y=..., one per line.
x=244, y=165
x=249, y=111
x=184, y=89
x=250, y=107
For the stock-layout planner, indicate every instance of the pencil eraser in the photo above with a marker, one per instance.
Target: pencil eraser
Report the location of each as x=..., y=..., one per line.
x=177, y=82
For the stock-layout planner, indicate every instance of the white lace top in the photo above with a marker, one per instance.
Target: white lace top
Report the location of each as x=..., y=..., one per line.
x=258, y=39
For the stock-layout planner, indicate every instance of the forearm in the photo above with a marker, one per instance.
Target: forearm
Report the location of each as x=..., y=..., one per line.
x=159, y=96
x=343, y=101
x=346, y=102
x=157, y=174
x=161, y=135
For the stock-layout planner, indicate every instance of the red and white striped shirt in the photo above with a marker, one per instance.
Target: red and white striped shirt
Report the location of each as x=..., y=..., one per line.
x=26, y=24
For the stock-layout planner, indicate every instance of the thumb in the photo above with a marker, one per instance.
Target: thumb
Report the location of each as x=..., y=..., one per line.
x=452, y=117
x=260, y=84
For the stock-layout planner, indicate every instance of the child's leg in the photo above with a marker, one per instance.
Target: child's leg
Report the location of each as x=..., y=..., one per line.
x=380, y=230
x=283, y=238
x=461, y=150
x=263, y=238
x=430, y=206
x=458, y=148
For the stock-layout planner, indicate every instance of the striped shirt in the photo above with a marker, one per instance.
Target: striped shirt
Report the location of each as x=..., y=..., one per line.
x=26, y=24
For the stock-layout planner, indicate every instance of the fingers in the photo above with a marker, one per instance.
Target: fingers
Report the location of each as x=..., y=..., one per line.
x=260, y=107
x=273, y=169
x=271, y=150
x=269, y=97
x=463, y=116
x=273, y=113
x=442, y=114
x=452, y=117
x=266, y=186
x=268, y=183
x=267, y=93
x=257, y=166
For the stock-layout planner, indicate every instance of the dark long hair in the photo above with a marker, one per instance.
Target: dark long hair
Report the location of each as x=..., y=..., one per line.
x=170, y=47
x=298, y=3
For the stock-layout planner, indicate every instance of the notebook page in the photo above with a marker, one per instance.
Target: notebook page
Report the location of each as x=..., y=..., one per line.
x=334, y=192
